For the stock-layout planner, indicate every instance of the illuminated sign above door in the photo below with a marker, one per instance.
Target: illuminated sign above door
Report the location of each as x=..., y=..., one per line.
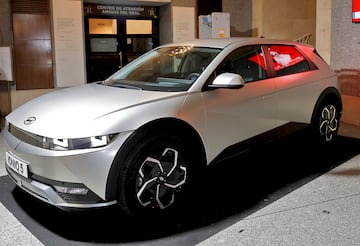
x=120, y=10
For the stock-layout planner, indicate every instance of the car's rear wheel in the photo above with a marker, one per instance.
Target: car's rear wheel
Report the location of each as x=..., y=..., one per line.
x=155, y=175
x=327, y=122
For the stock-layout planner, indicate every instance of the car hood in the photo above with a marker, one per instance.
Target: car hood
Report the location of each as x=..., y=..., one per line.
x=68, y=111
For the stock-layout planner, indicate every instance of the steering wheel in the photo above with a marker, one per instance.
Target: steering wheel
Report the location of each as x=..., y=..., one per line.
x=193, y=76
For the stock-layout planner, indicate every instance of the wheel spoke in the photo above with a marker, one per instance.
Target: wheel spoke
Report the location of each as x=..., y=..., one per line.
x=150, y=168
x=177, y=179
x=146, y=191
x=164, y=196
x=169, y=160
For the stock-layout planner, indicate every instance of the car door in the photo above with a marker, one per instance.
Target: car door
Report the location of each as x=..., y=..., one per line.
x=297, y=81
x=234, y=115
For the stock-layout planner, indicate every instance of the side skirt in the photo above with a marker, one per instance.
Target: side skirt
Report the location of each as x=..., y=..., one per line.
x=264, y=138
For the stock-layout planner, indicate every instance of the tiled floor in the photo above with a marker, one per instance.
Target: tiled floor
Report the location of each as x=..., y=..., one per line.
x=12, y=232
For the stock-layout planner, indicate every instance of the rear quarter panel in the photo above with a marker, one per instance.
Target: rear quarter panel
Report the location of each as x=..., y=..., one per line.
x=298, y=93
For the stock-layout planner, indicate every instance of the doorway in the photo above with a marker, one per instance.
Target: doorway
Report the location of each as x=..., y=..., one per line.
x=116, y=35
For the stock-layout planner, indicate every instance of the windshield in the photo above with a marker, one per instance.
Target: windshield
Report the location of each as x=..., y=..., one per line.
x=164, y=69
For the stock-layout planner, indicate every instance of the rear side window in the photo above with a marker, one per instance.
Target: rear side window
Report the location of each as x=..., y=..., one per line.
x=287, y=60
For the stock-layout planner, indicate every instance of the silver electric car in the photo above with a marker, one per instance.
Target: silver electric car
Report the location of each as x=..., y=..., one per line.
x=139, y=138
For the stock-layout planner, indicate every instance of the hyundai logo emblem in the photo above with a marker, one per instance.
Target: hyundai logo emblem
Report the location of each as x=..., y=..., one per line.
x=30, y=120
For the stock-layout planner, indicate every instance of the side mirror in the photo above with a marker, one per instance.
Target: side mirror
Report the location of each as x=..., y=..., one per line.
x=228, y=80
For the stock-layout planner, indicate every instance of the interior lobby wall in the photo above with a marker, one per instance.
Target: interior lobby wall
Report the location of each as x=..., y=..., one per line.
x=166, y=18
x=240, y=17
x=337, y=38
x=323, y=28
x=283, y=19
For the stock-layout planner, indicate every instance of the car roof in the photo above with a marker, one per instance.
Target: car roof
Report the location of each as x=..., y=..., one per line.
x=224, y=42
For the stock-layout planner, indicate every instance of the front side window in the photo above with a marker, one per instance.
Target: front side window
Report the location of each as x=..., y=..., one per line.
x=248, y=61
x=287, y=60
x=165, y=69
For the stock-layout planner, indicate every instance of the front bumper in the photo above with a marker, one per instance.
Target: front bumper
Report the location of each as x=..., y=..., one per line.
x=47, y=193
x=49, y=169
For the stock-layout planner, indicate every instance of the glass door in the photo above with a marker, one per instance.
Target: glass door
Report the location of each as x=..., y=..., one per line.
x=111, y=43
x=139, y=37
x=102, y=48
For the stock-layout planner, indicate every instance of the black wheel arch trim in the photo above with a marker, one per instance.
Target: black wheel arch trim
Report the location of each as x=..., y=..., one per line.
x=330, y=93
x=163, y=125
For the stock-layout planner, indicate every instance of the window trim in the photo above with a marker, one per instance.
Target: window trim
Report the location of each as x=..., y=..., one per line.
x=214, y=73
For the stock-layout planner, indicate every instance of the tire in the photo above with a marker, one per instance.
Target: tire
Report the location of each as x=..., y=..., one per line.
x=327, y=121
x=155, y=176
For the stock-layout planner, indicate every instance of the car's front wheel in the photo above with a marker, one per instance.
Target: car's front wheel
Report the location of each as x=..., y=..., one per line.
x=155, y=175
x=327, y=122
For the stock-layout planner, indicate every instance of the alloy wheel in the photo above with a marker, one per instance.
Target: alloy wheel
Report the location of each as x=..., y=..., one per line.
x=328, y=122
x=159, y=179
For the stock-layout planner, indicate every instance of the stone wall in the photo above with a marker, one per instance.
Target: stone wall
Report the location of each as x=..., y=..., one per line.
x=345, y=38
x=345, y=59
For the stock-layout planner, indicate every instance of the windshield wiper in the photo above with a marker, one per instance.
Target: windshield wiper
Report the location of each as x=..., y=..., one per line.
x=118, y=85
